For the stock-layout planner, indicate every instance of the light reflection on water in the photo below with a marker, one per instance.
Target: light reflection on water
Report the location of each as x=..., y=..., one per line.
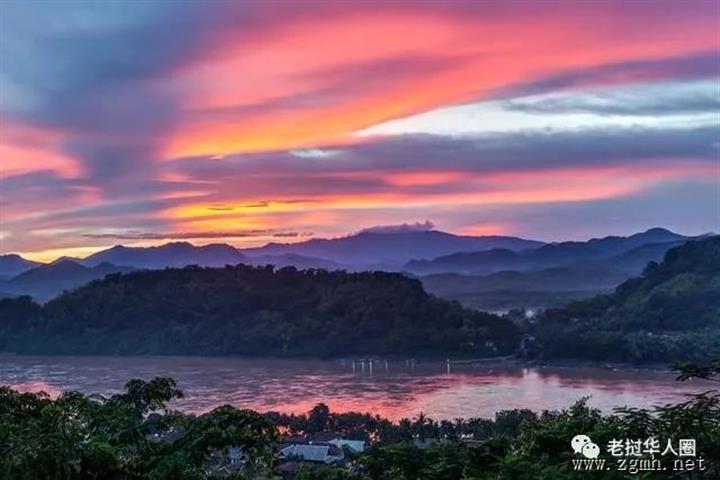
x=294, y=386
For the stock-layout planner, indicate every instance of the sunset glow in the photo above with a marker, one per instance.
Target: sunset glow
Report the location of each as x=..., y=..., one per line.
x=273, y=121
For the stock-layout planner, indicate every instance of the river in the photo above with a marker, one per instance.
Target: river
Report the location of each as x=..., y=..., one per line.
x=394, y=391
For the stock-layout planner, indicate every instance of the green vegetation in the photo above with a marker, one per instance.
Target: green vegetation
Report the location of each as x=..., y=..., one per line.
x=253, y=311
x=134, y=435
x=670, y=313
x=91, y=437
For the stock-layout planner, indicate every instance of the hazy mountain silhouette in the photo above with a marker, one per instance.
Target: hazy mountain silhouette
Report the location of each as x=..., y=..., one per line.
x=507, y=289
x=567, y=252
x=175, y=254
x=13, y=264
x=585, y=277
x=559, y=267
x=472, y=263
x=49, y=280
x=627, y=254
x=391, y=250
x=636, y=259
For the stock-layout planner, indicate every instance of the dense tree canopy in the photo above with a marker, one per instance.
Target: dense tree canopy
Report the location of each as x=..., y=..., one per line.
x=92, y=437
x=671, y=312
x=253, y=311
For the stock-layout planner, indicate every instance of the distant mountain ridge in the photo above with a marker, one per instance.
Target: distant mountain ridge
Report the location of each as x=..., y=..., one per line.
x=364, y=250
x=531, y=290
x=49, y=280
x=426, y=252
x=392, y=250
x=669, y=313
x=628, y=254
x=175, y=254
x=12, y=264
x=606, y=246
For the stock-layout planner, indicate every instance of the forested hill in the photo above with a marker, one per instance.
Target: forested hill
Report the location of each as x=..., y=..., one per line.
x=252, y=311
x=671, y=312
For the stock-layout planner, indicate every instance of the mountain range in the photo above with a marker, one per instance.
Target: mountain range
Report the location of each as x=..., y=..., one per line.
x=13, y=264
x=670, y=313
x=449, y=265
x=175, y=254
x=629, y=254
x=390, y=251
x=46, y=281
x=548, y=276
x=508, y=289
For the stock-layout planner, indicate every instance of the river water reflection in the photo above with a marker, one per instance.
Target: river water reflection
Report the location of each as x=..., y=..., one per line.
x=396, y=391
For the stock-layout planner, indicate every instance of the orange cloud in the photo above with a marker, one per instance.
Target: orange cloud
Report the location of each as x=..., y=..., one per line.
x=573, y=184
x=408, y=179
x=311, y=76
x=317, y=81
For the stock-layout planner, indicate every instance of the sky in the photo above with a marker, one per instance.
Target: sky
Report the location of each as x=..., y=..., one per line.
x=249, y=122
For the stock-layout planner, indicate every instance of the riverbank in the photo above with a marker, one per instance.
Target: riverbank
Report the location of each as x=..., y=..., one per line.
x=505, y=361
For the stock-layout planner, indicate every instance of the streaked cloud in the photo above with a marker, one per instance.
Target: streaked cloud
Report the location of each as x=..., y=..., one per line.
x=665, y=105
x=664, y=99
x=183, y=118
x=133, y=235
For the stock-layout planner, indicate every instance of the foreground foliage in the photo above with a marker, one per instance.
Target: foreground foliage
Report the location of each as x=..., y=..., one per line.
x=134, y=435
x=92, y=437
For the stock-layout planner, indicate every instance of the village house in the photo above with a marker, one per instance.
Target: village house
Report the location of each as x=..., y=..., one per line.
x=320, y=452
x=355, y=446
